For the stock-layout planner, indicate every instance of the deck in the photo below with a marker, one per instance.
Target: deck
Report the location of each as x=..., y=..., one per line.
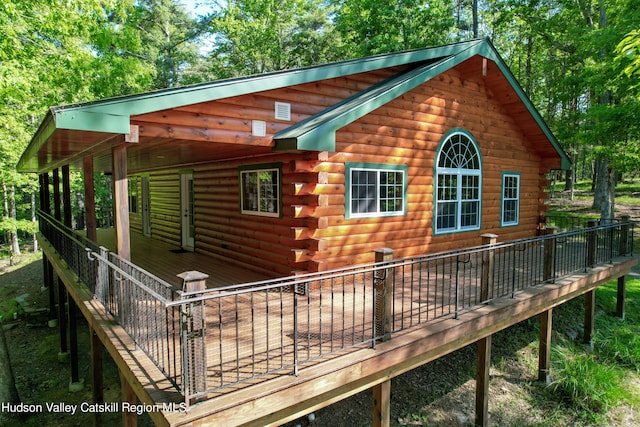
x=167, y=261
x=272, y=351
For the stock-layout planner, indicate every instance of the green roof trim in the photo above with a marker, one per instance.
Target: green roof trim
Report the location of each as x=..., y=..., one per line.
x=90, y=121
x=316, y=133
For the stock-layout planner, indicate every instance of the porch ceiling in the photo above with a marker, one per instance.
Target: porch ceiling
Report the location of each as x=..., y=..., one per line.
x=151, y=152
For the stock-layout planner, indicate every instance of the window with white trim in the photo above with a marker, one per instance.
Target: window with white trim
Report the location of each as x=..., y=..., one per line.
x=510, y=199
x=375, y=190
x=458, y=184
x=260, y=191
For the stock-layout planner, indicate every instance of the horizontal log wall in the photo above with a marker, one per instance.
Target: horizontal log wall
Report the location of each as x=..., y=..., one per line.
x=265, y=244
x=312, y=233
x=408, y=131
x=164, y=189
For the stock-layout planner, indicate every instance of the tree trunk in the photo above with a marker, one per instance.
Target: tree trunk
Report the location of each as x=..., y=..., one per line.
x=15, y=245
x=604, y=192
x=8, y=391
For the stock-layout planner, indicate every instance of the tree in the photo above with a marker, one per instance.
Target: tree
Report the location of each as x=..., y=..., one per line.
x=565, y=61
x=374, y=26
x=8, y=391
x=257, y=36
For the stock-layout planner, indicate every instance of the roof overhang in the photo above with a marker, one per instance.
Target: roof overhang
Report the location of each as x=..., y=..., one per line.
x=70, y=132
x=318, y=132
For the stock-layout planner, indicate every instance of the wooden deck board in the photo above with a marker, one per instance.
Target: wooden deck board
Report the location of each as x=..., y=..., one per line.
x=167, y=261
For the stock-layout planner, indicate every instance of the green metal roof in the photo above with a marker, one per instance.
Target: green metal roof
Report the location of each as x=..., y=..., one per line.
x=112, y=116
x=318, y=132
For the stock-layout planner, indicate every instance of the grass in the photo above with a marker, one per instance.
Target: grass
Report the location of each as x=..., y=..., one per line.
x=591, y=383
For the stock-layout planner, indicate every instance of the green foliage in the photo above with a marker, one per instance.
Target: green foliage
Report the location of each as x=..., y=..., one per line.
x=583, y=381
x=374, y=26
x=15, y=225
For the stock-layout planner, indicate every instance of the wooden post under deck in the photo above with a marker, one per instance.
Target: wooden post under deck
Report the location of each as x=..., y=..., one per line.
x=544, y=350
x=482, y=381
x=62, y=317
x=129, y=418
x=97, y=378
x=624, y=249
x=75, y=384
x=589, y=315
x=382, y=404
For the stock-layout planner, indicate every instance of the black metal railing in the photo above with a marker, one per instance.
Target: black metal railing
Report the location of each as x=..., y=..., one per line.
x=209, y=339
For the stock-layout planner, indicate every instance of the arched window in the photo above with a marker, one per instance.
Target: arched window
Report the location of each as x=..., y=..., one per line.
x=458, y=175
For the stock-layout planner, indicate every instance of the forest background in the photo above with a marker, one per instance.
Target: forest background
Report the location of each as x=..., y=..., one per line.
x=577, y=60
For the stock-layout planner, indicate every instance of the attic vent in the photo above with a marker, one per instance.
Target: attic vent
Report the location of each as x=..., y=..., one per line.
x=258, y=128
x=283, y=111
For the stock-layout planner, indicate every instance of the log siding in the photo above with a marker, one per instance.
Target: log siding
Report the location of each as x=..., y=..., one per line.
x=313, y=233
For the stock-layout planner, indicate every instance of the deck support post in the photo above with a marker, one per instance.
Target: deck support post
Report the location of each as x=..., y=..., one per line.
x=384, y=293
x=488, y=261
x=589, y=316
x=75, y=384
x=89, y=198
x=624, y=250
x=129, y=418
x=121, y=201
x=382, y=404
x=620, y=297
x=544, y=350
x=482, y=381
x=62, y=318
x=96, y=377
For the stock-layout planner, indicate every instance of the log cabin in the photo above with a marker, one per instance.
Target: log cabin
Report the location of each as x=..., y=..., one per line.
x=304, y=176
x=312, y=169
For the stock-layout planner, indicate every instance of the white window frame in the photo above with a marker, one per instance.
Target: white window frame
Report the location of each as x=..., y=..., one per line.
x=376, y=169
x=511, y=197
x=457, y=194
x=260, y=192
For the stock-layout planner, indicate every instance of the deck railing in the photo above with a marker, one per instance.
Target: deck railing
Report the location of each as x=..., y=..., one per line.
x=209, y=339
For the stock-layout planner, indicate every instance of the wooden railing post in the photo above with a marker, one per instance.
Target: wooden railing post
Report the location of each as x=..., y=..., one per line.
x=549, y=254
x=592, y=243
x=383, y=295
x=192, y=324
x=488, y=260
x=624, y=234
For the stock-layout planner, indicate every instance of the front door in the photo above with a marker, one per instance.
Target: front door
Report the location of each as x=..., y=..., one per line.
x=186, y=208
x=146, y=208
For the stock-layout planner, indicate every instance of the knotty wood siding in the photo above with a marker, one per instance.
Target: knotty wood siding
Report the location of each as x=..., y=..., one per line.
x=312, y=234
x=164, y=194
x=408, y=131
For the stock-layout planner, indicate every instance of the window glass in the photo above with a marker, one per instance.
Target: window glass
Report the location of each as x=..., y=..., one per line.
x=260, y=192
x=510, y=199
x=458, y=185
x=376, y=190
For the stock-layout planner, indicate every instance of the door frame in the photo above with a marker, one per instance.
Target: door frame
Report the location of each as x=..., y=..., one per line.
x=146, y=205
x=187, y=214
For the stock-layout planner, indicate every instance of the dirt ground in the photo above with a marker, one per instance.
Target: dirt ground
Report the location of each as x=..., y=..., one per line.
x=440, y=393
